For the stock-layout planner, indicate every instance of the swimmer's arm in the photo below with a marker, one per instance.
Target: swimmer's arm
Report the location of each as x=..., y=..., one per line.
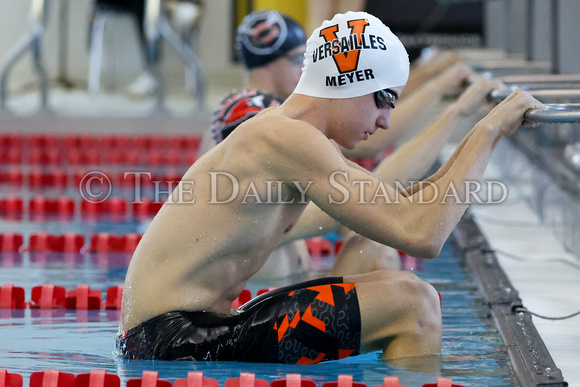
x=424, y=69
x=505, y=116
x=409, y=112
x=348, y=194
x=313, y=222
x=408, y=224
x=412, y=160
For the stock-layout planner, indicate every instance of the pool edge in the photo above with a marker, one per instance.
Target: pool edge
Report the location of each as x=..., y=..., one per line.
x=529, y=356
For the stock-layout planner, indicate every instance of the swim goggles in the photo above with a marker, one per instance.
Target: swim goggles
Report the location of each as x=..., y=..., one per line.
x=384, y=98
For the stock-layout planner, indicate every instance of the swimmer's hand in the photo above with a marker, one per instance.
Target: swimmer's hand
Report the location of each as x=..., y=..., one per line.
x=455, y=78
x=475, y=96
x=508, y=115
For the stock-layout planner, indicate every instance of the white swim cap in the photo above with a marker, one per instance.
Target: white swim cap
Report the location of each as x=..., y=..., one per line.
x=351, y=55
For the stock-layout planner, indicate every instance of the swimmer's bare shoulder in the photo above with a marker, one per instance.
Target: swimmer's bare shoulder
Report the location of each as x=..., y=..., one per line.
x=292, y=145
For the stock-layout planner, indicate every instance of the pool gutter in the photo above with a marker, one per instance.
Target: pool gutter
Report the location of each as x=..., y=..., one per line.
x=530, y=358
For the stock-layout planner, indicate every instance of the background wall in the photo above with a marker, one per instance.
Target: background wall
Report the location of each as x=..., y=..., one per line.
x=505, y=26
x=122, y=58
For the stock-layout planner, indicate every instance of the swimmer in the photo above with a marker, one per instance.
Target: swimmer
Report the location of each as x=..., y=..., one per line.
x=272, y=70
x=251, y=189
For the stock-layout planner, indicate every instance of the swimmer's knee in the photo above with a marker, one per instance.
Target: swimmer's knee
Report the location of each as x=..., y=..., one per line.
x=389, y=275
x=422, y=294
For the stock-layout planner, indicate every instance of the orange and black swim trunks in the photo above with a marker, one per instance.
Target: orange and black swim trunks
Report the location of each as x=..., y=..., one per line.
x=300, y=324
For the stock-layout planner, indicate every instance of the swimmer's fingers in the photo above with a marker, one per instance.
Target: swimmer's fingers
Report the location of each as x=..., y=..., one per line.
x=532, y=124
x=474, y=97
x=456, y=78
x=508, y=115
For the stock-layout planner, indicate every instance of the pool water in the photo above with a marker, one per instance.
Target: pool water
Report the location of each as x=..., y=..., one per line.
x=80, y=341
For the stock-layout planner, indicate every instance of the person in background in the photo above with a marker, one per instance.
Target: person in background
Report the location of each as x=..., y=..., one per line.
x=184, y=17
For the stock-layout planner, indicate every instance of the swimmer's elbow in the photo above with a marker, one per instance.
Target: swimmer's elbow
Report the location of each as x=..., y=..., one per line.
x=432, y=250
x=424, y=248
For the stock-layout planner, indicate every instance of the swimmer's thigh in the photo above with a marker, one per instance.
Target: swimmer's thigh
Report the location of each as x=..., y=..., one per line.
x=400, y=314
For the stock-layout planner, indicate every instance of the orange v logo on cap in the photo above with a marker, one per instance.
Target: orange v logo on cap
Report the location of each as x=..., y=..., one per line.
x=346, y=61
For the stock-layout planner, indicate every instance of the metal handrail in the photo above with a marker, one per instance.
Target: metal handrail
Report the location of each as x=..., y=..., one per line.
x=568, y=113
x=156, y=26
x=560, y=113
x=31, y=40
x=531, y=79
x=544, y=95
x=546, y=86
x=151, y=25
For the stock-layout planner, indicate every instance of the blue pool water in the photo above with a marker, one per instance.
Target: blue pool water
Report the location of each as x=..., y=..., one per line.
x=80, y=341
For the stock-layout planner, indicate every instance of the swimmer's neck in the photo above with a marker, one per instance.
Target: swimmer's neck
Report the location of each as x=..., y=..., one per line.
x=262, y=78
x=312, y=110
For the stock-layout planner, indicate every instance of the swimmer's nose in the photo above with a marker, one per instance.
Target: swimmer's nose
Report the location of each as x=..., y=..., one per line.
x=384, y=121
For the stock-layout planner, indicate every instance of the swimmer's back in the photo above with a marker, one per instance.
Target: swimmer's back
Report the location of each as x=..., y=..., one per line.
x=228, y=236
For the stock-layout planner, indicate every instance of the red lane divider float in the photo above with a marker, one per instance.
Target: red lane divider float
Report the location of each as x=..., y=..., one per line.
x=246, y=379
x=10, y=242
x=115, y=207
x=442, y=382
x=63, y=207
x=44, y=156
x=44, y=242
x=114, y=298
x=345, y=381
x=10, y=380
x=83, y=298
x=97, y=378
x=49, y=149
x=107, y=243
x=319, y=246
x=52, y=378
x=12, y=176
x=84, y=141
x=100, y=378
x=40, y=179
x=293, y=380
x=12, y=297
x=244, y=297
x=149, y=379
x=11, y=208
x=195, y=379
x=49, y=296
x=391, y=381
x=145, y=208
